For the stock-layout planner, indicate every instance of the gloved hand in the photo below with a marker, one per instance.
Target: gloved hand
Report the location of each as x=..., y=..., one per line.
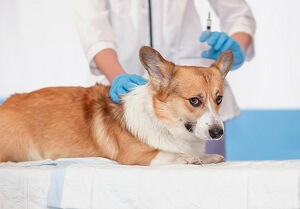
x=123, y=84
x=220, y=42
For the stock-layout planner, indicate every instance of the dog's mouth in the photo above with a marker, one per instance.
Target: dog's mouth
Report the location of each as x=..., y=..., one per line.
x=189, y=126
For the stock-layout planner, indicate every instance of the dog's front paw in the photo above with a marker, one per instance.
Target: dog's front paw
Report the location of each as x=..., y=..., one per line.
x=214, y=158
x=167, y=158
x=186, y=159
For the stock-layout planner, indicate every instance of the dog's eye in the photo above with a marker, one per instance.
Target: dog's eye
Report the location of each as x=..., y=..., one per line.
x=219, y=100
x=195, y=101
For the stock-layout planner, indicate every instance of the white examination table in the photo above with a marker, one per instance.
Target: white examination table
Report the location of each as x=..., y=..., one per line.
x=101, y=183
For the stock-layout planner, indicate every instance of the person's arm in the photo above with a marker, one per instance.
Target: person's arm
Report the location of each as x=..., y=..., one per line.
x=97, y=37
x=108, y=62
x=243, y=39
x=237, y=21
x=91, y=18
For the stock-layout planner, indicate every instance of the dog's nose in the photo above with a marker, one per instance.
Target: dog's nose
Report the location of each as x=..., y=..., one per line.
x=215, y=132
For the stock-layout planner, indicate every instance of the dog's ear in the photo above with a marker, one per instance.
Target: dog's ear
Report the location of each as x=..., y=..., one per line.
x=224, y=63
x=160, y=70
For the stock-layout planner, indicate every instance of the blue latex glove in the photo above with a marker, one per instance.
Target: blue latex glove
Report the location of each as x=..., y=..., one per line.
x=220, y=42
x=123, y=84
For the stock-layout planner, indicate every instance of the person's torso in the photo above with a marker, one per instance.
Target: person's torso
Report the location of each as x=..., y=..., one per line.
x=175, y=27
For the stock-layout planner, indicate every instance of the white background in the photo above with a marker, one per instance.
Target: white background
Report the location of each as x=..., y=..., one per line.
x=39, y=47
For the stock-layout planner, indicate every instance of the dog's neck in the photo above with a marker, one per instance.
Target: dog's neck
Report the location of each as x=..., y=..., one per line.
x=139, y=114
x=142, y=122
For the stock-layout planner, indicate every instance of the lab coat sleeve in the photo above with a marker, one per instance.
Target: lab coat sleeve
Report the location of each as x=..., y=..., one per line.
x=236, y=16
x=94, y=29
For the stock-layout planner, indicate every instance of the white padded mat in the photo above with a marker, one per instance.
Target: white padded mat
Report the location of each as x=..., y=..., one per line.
x=101, y=183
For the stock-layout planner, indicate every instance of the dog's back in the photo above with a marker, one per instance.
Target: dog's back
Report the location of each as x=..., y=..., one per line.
x=59, y=118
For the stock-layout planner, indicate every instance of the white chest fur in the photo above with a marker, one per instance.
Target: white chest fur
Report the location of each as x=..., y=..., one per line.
x=143, y=123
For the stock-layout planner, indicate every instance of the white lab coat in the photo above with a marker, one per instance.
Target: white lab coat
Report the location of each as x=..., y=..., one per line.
x=123, y=25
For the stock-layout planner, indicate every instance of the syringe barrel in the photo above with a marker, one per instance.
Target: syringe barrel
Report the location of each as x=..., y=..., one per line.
x=208, y=24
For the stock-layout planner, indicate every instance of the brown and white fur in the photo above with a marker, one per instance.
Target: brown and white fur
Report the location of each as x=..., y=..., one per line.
x=163, y=122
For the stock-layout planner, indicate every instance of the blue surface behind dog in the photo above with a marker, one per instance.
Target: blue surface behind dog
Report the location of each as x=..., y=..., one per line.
x=263, y=135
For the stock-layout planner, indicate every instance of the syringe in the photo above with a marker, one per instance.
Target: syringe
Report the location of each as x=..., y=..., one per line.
x=208, y=22
x=208, y=29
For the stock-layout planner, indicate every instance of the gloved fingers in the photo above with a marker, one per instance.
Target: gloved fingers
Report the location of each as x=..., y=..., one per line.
x=237, y=65
x=204, y=36
x=128, y=86
x=234, y=67
x=114, y=97
x=239, y=59
x=139, y=80
x=210, y=54
x=122, y=91
x=205, y=54
x=221, y=40
x=123, y=84
x=227, y=45
x=213, y=38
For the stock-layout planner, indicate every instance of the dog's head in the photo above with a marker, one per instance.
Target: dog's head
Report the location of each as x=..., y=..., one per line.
x=187, y=98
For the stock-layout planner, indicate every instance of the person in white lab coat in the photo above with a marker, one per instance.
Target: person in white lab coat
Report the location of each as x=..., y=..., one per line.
x=112, y=32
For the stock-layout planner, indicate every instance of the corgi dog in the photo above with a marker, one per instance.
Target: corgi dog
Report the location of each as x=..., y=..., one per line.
x=165, y=121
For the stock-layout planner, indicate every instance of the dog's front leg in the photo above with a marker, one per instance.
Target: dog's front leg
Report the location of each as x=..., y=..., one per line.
x=132, y=151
